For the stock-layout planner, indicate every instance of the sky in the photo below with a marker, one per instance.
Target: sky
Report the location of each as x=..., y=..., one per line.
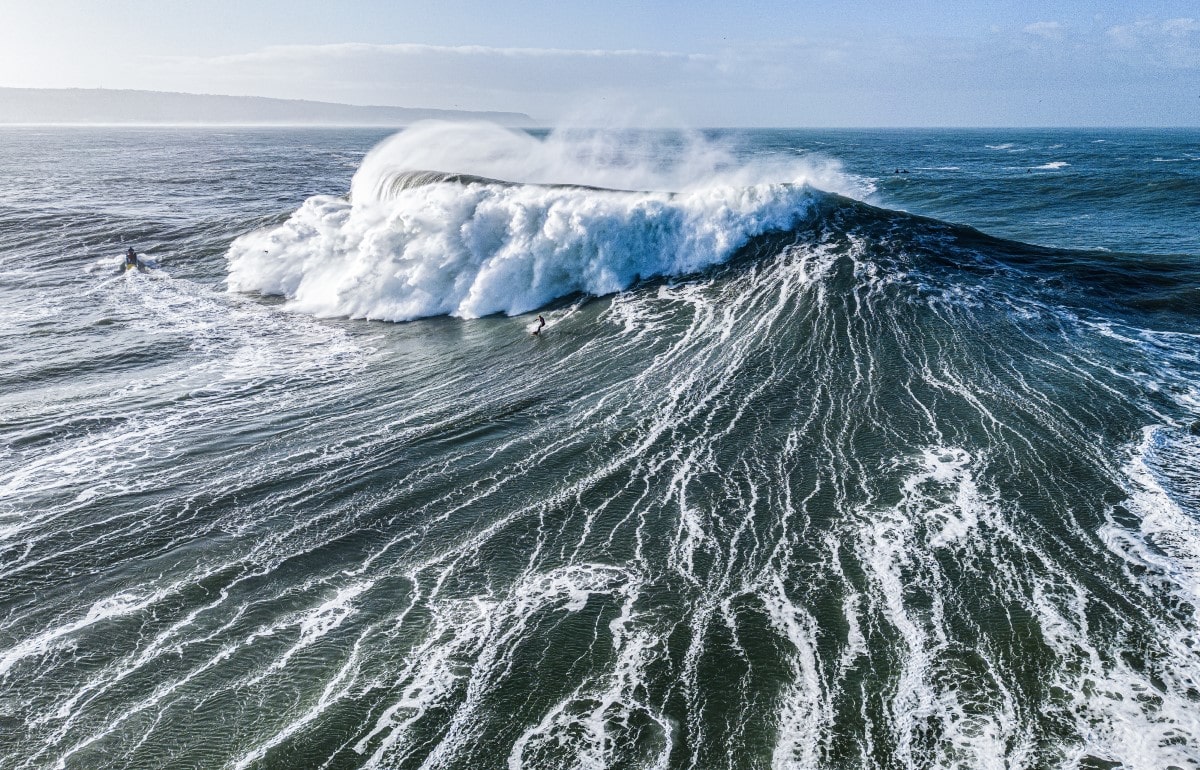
x=816, y=63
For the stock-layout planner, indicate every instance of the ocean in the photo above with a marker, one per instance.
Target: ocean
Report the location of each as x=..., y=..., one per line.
x=839, y=449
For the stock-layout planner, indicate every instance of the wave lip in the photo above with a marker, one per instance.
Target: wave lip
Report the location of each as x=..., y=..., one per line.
x=402, y=181
x=414, y=243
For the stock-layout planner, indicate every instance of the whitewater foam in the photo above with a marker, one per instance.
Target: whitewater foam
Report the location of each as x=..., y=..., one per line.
x=453, y=239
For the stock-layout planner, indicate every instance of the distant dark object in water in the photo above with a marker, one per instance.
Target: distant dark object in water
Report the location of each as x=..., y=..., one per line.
x=901, y=171
x=132, y=262
x=1194, y=428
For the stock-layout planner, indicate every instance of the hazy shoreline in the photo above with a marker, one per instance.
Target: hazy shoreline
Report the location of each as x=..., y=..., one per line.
x=124, y=107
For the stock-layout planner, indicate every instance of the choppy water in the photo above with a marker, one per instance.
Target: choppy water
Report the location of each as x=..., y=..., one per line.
x=825, y=484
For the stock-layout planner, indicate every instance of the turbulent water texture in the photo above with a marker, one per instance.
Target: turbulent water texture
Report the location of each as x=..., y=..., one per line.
x=803, y=482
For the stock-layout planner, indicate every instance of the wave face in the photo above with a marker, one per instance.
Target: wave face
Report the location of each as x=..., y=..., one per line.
x=876, y=492
x=410, y=242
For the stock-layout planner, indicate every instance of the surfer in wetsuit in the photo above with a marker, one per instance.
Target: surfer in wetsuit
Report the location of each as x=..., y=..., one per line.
x=131, y=260
x=541, y=323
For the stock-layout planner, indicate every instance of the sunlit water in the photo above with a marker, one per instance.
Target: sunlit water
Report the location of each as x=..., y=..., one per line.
x=814, y=484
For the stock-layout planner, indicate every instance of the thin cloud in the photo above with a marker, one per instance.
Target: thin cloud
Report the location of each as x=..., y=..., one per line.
x=1048, y=30
x=340, y=50
x=1173, y=43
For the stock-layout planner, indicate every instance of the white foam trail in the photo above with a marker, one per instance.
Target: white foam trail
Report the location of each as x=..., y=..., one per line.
x=472, y=248
x=804, y=713
x=104, y=609
x=1165, y=499
x=1120, y=714
x=335, y=689
x=941, y=505
x=591, y=722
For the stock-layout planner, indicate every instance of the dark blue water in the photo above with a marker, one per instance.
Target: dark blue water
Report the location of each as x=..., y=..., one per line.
x=840, y=449
x=1119, y=190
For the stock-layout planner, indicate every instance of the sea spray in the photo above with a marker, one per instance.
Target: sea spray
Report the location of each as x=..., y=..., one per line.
x=470, y=220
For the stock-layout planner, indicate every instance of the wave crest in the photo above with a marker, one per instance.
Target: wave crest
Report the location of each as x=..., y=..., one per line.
x=411, y=243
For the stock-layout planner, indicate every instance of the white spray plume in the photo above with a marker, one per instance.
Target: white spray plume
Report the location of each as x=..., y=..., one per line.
x=671, y=204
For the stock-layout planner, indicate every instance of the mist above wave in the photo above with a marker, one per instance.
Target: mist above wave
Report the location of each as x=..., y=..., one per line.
x=506, y=221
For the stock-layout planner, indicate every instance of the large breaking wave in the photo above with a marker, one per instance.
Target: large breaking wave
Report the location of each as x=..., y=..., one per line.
x=473, y=219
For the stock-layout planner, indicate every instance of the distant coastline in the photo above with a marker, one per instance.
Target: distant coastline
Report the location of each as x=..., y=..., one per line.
x=82, y=106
